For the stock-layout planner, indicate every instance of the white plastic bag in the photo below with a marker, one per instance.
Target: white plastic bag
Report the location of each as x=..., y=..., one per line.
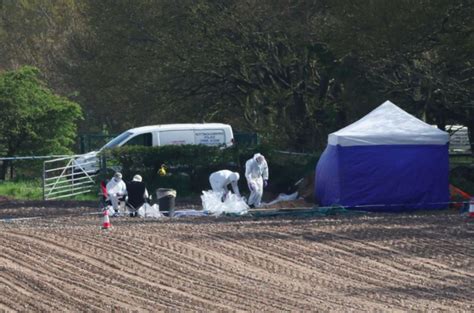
x=147, y=210
x=212, y=204
x=111, y=210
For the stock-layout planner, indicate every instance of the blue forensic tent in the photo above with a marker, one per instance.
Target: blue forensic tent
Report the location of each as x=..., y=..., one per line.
x=387, y=161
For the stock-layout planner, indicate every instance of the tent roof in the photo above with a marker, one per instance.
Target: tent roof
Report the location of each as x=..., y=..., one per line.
x=388, y=125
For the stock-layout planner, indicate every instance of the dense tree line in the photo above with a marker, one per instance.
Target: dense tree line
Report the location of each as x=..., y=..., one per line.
x=293, y=71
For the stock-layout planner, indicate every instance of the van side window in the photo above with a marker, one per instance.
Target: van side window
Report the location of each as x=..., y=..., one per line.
x=140, y=140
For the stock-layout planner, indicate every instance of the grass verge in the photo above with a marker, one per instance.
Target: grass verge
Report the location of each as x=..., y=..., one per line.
x=32, y=190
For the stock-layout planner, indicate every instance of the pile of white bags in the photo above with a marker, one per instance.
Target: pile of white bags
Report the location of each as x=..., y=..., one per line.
x=233, y=204
x=147, y=210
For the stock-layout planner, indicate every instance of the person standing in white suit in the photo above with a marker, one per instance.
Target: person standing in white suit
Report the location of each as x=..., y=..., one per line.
x=221, y=179
x=256, y=173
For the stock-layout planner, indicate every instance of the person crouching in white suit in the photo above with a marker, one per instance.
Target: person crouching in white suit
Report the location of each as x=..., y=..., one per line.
x=256, y=173
x=221, y=179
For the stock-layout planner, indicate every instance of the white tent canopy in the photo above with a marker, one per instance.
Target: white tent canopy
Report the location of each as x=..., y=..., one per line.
x=388, y=125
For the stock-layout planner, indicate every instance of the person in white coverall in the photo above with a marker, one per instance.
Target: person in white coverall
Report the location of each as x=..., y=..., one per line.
x=116, y=189
x=221, y=179
x=256, y=173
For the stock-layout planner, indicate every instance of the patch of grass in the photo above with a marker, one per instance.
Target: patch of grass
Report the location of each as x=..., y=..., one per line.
x=93, y=196
x=33, y=190
x=22, y=190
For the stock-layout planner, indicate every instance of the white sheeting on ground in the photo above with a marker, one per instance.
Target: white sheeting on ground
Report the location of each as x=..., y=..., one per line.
x=282, y=197
x=188, y=213
x=233, y=204
x=145, y=210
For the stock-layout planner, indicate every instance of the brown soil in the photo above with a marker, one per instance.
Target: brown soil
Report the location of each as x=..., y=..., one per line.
x=61, y=260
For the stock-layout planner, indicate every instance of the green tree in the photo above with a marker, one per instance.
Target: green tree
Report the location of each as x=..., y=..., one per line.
x=416, y=53
x=246, y=63
x=250, y=64
x=292, y=71
x=34, y=120
x=38, y=33
x=117, y=65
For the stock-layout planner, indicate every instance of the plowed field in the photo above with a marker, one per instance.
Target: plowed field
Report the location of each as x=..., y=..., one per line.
x=64, y=261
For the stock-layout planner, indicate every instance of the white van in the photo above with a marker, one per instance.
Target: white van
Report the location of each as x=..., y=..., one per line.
x=458, y=139
x=209, y=134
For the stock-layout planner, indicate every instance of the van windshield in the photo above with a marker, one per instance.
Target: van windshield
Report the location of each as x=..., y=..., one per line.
x=117, y=140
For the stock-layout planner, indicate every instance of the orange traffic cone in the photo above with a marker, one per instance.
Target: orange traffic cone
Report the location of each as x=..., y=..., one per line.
x=471, y=209
x=106, y=223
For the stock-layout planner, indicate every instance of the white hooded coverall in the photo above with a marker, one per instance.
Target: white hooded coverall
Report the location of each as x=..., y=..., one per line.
x=256, y=173
x=221, y=179
x=115, y=189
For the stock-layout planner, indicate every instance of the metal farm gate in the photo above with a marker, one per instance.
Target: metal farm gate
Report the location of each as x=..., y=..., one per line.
x=64, y=177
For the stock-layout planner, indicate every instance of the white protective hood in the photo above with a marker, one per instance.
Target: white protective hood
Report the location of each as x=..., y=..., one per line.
x=388, y=125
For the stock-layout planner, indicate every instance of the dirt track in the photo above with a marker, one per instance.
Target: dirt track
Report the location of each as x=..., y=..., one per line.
x=63, y=261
